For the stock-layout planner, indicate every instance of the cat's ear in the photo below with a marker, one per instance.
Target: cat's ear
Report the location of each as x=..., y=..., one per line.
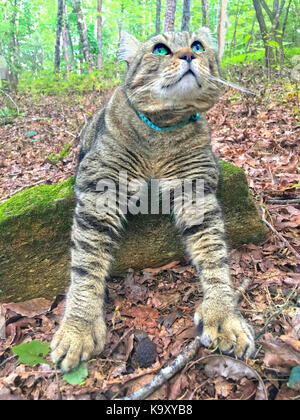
x=128, y=47
x=205, y=33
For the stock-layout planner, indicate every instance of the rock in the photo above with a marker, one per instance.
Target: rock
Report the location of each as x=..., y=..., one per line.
x=35, y=235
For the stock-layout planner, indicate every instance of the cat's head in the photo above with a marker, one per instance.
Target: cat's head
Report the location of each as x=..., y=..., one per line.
x=171, y=71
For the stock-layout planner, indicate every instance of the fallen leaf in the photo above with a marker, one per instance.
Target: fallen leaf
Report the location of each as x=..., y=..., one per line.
x=279, y=355
x=30, y=308
x=230, y=368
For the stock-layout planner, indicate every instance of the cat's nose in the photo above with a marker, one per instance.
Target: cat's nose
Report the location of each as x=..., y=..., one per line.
x=187, y=56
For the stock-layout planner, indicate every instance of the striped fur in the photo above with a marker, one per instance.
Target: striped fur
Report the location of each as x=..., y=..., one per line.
x=117, y=140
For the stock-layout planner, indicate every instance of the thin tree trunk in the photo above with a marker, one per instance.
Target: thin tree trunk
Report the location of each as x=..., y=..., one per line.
x=222, y=28
x=248, y=45
x=158, y=13
x=286, y=18
x=233, y=43
x=273, y=34
x=14, y=65
x=58, y=35
x=65, y=38
x=99, y=33
x=264, y=33
x=170, y=16
x=143, y=18
x=83, y=33
x=186, y=15
x=70, y=43
x=205, y=13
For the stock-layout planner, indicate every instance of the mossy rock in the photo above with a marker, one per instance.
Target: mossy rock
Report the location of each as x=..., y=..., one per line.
x=35, y=235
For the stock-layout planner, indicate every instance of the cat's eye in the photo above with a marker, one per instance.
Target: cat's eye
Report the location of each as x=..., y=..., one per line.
x=198, y=47
x=161, y=49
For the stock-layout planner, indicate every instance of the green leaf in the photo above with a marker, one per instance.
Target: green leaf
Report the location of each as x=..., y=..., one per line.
x=78, y=375
x=32, y=353
x=294, y=381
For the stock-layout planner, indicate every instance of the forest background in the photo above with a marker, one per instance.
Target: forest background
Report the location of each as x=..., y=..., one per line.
x=58, y=46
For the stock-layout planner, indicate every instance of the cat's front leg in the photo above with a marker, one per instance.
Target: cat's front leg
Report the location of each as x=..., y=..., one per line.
x=82, y=333
x=218, y=317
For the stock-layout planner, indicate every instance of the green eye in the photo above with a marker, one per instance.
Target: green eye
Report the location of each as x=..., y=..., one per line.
x=198, y=47
x=161, y=49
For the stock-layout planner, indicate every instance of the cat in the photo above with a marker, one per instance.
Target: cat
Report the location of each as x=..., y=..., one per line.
x=153, y=127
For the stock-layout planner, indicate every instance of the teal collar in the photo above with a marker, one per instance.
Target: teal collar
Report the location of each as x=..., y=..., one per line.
x=192, y=118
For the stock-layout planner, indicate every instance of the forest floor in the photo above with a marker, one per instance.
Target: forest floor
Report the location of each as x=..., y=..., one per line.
x=259, y=134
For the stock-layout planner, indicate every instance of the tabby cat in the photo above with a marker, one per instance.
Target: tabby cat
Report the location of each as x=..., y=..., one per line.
x=153, y=126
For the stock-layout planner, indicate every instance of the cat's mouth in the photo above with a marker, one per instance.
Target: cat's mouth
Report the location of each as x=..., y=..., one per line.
x=187, y=73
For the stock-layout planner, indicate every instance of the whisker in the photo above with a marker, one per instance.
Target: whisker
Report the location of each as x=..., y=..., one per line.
x=233, y=85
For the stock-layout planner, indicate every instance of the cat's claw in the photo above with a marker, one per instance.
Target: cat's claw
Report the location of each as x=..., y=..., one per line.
x=74, y=343
x=225, y=330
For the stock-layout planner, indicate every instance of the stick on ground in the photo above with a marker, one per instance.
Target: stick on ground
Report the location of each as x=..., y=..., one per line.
x=287, y=244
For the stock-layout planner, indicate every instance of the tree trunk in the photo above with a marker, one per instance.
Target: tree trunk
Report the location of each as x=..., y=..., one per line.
x=70, y=43
x=233, y=43
x=205, y=13
x=99, y=33
x=249, y=43
x=14, y=65
x=170, y=16
x=83, y=33
x=158, y=13
x=222, y=28
x=275, y=34
x=264, y=33
x=60, y=10
x=65, y=38
x=186, y=15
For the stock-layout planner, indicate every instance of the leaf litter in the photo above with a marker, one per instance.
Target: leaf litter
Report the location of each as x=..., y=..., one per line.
x=259, y=135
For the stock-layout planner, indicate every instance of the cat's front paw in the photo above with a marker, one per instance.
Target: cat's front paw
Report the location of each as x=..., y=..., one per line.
x=226, y=329
x=76, y=341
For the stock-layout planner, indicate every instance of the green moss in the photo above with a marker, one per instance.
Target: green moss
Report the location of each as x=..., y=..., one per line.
x=35, y=199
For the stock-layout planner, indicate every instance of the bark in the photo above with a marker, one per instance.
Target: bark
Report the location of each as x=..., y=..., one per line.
x=65, y=38
x=186, y=15
x=58, y=35
x=70, y=43
x=205, y=13
x=82, y=29
x=249, y=43
x=264, y=32
x=170, y=16
x=99, y=33
x=286, y=18
x=158, y=13
x=14, y=65
x=233, y=43
x=277, y=29
x=222, y=28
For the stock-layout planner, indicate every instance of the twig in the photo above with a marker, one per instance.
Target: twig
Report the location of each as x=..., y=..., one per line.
x=126, y=333
x=166, y=373
x=41, y=181
x=8, y=359
x=241, y=289
x=276, y=313
x=12, y=101
x=284, y=201
x=288, y=245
